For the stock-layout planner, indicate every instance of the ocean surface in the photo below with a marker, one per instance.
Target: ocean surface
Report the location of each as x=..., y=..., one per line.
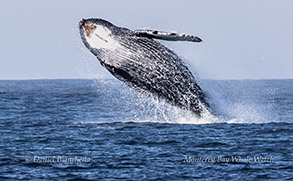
x=101, y=129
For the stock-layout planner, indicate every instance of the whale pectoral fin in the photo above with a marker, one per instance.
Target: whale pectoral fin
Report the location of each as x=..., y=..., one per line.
x=166, y=35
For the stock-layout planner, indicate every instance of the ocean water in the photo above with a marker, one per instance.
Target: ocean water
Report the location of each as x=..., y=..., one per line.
x=101, y=129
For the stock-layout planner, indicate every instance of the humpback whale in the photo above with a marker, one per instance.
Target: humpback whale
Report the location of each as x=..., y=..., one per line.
x=144, y=64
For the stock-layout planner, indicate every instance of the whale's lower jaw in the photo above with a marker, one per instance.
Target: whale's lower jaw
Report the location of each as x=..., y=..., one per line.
x=97, y=36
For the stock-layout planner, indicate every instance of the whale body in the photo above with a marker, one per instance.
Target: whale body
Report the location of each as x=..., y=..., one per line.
x=144, y=64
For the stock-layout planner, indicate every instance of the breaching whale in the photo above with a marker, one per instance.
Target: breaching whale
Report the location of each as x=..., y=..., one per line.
x=144, y=64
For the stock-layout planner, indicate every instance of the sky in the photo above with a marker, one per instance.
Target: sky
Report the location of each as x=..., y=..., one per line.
x=243, y=39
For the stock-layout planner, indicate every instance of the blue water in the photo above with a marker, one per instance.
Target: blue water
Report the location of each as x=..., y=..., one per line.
x=101, y=129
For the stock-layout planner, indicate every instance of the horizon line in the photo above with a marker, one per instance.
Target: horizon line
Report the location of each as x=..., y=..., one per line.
x=116, y=79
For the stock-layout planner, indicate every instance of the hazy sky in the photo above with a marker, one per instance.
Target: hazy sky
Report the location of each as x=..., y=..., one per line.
x=249, y=39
